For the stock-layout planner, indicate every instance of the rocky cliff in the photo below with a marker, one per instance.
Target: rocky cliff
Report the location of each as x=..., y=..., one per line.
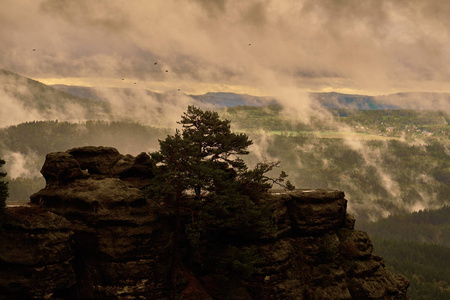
x=92, y=234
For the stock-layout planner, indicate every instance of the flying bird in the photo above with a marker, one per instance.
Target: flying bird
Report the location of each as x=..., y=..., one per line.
x=156, y=62
x=167, y=70
x=34, y=49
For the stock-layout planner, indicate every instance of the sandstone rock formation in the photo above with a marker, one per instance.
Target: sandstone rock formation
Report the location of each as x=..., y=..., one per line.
x=35, y=255
x=120, y=242
x=318, y=255
x=119, y=238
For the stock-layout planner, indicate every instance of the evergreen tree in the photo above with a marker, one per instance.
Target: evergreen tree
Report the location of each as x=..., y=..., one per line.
x=200, y=170
x=217, y=199
x=3, y=193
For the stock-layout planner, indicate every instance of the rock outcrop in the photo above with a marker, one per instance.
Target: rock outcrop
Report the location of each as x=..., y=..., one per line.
x=107, y=241
x=323, y=257
x=96, y=162
x=119, y=238
x=36, y=254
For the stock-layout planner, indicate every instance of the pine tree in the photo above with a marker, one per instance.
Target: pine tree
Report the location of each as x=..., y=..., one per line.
x=200, y=174
x=200, y=169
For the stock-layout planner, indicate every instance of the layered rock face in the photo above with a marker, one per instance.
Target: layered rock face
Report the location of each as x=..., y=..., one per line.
x=119, y=238
x=110, y=242
x=35, y=255
x=319, y=254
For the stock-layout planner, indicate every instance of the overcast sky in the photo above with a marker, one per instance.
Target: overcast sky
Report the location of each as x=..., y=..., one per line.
x=253, y=46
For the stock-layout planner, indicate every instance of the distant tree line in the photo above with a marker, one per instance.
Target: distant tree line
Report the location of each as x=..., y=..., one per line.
x=425, y=226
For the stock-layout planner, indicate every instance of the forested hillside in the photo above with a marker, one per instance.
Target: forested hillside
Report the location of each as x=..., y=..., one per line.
x=425, y=265
x=417, y=246
x=424, y=226
x=387, y=161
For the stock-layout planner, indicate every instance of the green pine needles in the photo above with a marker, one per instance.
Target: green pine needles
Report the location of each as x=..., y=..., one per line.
x=199, y=172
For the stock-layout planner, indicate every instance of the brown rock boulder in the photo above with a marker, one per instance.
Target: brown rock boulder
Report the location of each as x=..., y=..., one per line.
x=96, y=160
x=60, y=168
x=88, y=195
x=377, y=284
x=134, y=171
x=313, y=212
x=355, y=243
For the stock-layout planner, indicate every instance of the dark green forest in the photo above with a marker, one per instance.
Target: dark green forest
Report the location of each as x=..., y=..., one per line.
x=417, y=246
x=424, y=226
x=378, y=177
x=425, y=265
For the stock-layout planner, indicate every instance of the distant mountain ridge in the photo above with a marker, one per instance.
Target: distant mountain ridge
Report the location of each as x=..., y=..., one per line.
x=220, y=99
x=333, y=100
x=232, y=99
x=225, y=99
x=25, y=99
x=351, y=101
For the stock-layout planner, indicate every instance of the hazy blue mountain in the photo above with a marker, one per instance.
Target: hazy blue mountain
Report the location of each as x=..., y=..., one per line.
x=348, y=101
x=221, y=99
x=333, y=100
x=232, y=99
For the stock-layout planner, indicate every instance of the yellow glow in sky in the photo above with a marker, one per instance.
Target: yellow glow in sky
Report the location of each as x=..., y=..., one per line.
x=187, y=87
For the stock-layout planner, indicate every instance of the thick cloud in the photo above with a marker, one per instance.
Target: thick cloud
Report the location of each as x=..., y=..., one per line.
x=374, y=46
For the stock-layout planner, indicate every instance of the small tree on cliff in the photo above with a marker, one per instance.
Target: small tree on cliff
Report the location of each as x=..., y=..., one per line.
x=3, y=193
x=200, y=169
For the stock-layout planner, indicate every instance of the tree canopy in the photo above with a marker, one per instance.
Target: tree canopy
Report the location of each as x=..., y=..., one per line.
x=200, y=169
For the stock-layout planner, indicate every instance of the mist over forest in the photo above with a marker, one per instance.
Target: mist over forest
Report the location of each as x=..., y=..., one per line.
x=390, y=157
